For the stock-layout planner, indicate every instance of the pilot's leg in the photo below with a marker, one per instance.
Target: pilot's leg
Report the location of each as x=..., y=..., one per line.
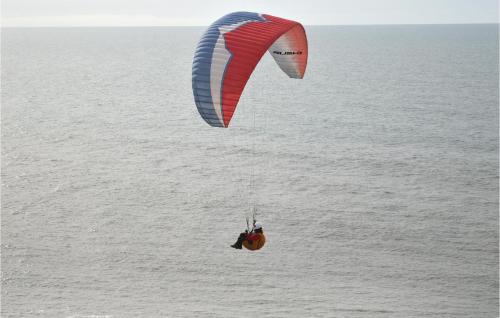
x=240, y=240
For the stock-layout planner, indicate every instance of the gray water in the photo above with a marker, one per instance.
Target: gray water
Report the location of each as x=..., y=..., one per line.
x=376, y=177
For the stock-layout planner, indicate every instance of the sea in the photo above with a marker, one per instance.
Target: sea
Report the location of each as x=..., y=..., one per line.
x=375, y=177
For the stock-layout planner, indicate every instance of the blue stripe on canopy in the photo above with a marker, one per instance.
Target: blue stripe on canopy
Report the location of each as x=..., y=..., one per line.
x=202, y=65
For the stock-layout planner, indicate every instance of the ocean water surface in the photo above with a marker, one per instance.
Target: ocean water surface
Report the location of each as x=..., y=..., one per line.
x=376, y=177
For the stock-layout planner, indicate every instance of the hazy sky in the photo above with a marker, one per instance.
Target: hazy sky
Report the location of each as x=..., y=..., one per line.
x=203, y=12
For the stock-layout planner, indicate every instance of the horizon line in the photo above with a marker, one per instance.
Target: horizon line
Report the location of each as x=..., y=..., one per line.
x=207, y=25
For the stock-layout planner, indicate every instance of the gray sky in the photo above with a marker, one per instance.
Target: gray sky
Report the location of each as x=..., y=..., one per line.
x=203, y=12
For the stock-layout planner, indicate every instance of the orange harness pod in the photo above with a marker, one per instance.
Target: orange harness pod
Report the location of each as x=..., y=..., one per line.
x=254, y=241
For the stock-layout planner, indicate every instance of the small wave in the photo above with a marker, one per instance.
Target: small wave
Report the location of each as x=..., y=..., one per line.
x=375, y=311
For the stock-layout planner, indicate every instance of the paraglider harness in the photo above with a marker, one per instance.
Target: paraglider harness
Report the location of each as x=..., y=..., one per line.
x=243, y=236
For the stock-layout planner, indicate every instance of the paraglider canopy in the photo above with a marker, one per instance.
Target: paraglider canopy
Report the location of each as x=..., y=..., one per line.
x=229, y=51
